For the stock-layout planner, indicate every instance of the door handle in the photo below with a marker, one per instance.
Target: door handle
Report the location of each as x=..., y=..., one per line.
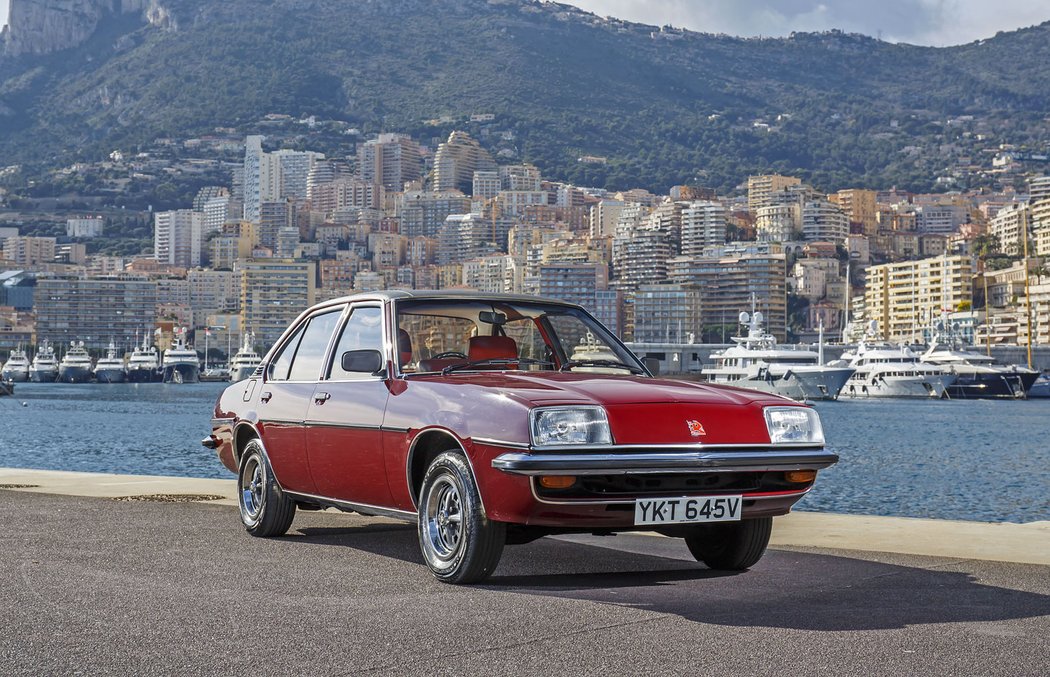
x=321, y=398
x=265, y=396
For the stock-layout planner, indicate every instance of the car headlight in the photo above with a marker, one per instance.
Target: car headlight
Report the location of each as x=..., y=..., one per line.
x=552, y=426
x=793, y=425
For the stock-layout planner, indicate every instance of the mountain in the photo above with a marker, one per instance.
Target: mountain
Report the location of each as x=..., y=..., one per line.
x=663, y=106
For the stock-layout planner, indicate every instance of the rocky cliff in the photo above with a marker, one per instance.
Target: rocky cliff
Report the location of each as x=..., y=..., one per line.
x=45, y=26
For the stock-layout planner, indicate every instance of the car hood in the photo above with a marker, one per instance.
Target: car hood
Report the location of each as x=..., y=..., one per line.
x=643, y=410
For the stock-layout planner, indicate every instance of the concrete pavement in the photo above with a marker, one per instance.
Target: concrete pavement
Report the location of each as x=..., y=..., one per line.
x=96, y=586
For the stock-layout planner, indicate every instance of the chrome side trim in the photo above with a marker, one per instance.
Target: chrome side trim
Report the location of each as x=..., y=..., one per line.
x=500, y=443
x=351, y=426
x=630, y=501
x=285, y=421
x=216, y=422
x=393, y=429
x=648, y=463
x=364, y=508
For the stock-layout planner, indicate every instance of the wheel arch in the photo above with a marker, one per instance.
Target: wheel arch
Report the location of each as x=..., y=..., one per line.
x=242, y=434
x=426, y=446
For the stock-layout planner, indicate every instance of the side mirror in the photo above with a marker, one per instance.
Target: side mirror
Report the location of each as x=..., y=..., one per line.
x=362, y=361
x=653, y=365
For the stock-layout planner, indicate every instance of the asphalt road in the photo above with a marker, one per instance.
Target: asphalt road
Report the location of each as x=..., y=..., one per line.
x=96, y=586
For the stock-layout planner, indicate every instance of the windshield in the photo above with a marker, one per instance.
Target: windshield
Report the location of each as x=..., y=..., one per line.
x=453, y=335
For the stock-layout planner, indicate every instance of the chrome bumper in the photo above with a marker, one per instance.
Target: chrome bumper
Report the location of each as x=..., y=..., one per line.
x=662, y=462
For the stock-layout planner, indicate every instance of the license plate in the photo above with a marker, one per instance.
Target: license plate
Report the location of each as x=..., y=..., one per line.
x=687, y=510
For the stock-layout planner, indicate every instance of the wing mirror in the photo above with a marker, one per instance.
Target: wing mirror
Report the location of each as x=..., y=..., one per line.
x=362, y=362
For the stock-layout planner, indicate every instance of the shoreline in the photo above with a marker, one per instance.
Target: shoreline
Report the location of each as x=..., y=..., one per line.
x=990, y=541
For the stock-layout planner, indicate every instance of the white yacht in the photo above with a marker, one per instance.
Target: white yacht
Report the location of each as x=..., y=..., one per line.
x=980, y=376
x=246, y=361
x=144, y=363
x=110, y=369
x=16, y=369
x=180, y=363
x=75, y=366
x=886, y=371
x=45, y=367
x=757, y=362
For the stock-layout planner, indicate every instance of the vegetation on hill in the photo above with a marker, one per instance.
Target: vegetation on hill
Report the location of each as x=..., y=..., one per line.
x=662, y=107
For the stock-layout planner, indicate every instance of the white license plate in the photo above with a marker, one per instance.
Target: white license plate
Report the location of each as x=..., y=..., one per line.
x=687, y=510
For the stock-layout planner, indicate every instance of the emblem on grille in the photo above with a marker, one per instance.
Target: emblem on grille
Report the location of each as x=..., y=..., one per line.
x=696, y=429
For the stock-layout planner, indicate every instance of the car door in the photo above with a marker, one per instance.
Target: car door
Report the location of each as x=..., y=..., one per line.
x=288, y=385
x=345, y=416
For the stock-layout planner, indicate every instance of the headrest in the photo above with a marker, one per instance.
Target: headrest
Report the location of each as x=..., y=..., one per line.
x=404, y=347
x=492, y=348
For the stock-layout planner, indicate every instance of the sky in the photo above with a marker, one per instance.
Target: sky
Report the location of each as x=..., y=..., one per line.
x=920, y=22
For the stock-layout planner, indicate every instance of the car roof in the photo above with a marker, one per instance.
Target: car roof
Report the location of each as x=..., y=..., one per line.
x=445, y=295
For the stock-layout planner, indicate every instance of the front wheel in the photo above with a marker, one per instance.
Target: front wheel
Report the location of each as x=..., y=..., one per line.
x=731, y=546
x=265, y=510
x=459, y=543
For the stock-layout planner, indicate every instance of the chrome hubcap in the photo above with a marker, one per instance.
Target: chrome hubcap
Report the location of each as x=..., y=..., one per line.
x=444, y=518
x=252, y=488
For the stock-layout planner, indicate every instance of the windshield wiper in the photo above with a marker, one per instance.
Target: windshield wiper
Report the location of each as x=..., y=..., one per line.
x=601, y=363
x=494, y=362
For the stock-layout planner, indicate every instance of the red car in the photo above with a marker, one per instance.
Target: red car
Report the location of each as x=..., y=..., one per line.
x=493, y=419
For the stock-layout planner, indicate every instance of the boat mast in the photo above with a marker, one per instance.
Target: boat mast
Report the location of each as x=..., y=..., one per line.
x=1027, y=289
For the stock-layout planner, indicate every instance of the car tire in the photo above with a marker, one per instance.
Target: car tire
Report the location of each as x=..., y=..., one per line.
x=459, y=543
x=730, y=546
x=265, y=510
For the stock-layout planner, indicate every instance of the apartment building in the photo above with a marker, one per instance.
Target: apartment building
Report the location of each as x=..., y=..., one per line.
x=760, y=189
x=906, y=298
x=272, y=294
x=94, y=310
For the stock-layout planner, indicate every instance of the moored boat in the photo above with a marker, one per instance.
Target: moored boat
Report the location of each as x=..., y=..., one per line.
x=980, y=376
x=44, y=368
x=75, y=366
x=757, y=362
x=180, y=363
x=110, y=369
x=144, y=363
x=16, y=369
x=882, y=370
x=246, y=361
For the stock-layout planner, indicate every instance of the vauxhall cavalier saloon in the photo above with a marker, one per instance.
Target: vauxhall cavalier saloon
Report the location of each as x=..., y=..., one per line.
x=493, y=419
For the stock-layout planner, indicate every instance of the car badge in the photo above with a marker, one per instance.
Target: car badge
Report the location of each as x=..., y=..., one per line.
x=696, y=429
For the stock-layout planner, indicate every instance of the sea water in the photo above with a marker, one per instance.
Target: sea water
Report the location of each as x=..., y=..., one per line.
x=972, y=460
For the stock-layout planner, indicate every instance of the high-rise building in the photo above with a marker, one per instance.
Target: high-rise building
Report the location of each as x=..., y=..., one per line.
x=391, y=160
x=1008, y=226
x=272, y=294
x=486, y=185
x=94, y=310
x=667, y=313
x=463, y=237
x=906, y=298
x=262, y=177
x=605, y=214
x=824, y=220
x=295, y=170
x=273, y=217
x=860, y=207
x=760, y=189
x=85, y=227
x=424, y=213
x=728, y=276
x=456, y=160
x=703, y=225
x=178, y=237
x=29, y=252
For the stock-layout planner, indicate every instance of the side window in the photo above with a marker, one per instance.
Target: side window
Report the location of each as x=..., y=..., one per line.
x=278, y=369
x=363, y=331
x=306, y=365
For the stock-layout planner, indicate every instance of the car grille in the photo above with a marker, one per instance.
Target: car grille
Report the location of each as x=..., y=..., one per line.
x=591, y=487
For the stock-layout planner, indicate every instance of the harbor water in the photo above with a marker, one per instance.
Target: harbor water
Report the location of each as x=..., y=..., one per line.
x=973, y=460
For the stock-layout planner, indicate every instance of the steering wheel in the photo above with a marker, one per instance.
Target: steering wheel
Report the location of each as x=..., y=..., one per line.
x=447, y=354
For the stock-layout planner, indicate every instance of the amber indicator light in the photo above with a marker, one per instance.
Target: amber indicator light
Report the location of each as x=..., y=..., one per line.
x=557, y=481
x=800, y=476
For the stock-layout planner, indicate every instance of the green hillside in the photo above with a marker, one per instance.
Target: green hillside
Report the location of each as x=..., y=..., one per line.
x=841, y=109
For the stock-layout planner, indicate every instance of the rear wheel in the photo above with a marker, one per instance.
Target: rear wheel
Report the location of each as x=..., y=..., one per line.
x=459, y=543
x=265, y=510
x=732, y=546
